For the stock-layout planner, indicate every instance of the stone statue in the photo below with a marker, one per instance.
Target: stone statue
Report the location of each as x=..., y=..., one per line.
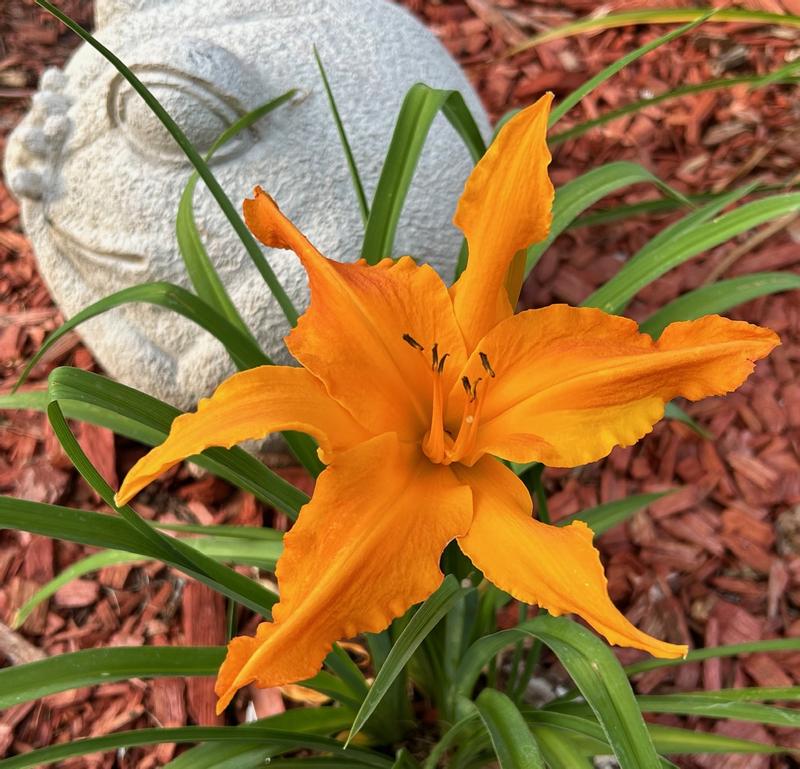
x=99, y=178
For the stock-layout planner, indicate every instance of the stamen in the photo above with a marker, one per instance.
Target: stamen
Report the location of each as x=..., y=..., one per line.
x=474, y=393
x=440, y=367
x=467, y=386
x=435, y=356
x=413, y=342
x=485, y=363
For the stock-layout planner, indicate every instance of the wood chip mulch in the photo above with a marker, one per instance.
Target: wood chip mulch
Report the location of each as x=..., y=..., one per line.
x=715, y=562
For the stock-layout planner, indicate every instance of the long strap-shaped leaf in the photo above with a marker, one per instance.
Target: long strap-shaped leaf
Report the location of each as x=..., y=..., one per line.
x=657, y=16
x=513, y=743
x=420, y=107
x=24, y=683
x=574, y=197
x=199, y=267
x=575, y=97
x=285, y=740
x=719, y=297
x=595, y=671
x=421, y=624
x=242, y=349
x=221, y=578
x=690, y=236
x=194, y=157
x=98, y=400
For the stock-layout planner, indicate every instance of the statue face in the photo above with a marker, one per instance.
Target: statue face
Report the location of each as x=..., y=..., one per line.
x=100, y=178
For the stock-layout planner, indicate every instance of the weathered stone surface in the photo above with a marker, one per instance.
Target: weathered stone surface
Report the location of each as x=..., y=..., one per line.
x=100, y=179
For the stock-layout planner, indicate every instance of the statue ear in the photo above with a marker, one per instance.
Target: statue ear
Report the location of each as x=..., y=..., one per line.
x=106, y=11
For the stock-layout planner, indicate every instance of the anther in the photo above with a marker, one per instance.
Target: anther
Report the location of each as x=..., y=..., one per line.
x=466, y=384
x=408, y=339
x=440, y=367
x=474, y=393
x=435, y=356
x=486, y=365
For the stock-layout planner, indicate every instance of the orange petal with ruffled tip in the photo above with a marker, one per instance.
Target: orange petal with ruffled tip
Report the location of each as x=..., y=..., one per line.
x=572, y=383
x=505, y=207
x=363, y=551
x=247, y=406
x=554, y=567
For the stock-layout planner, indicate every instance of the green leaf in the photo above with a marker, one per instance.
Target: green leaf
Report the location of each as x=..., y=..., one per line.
x=673, y=411
x=574, y=197
x=692, y=235
x=595, y=671
x=246, y=755
x=285, y=740
x=575, y=97
x=657, y=16
x=242, y=349
x=419, y=108
x=358, y=187
x=261, y=553
x=24, y=683
x=217, y=576
x=513, y=743
x=422, y=623
x=704, y=705
x=676, y=741
x=560, y=750
x=199, y=267
x=604, y=517
x=714, y=652
x=126, y=411
x=718, y=298
x=783, y=75
x=194, y=157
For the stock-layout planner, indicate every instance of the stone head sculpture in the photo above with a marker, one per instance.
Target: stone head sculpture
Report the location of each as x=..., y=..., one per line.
x=99, y=178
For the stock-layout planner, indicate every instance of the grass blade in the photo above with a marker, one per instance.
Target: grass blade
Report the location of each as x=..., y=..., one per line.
x=513, y=743
x=130, y=412
x=718, y=298
x=358, y=187
x=221, y=578
x=285, y=740
x=604, y=517
x=194, y=157
x=574, y=197
x=595, y=671
x=575, y=97
x=201, y=271
x=422, y=623
x=25, y=683
x=689, y=237
x=419, y=108
x=656, y=16
x=244, y=352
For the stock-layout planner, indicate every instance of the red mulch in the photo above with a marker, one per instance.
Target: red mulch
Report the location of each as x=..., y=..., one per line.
x=717, y=562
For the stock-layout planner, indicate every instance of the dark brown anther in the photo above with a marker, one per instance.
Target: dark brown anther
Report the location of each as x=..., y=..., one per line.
x=435, y=356
x=408, y=339
x=486, y=365
x=474, y=393
x=440, y=367
x=466, y=384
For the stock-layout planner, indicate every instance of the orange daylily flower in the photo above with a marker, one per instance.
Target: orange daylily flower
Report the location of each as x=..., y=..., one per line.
x=412, y=391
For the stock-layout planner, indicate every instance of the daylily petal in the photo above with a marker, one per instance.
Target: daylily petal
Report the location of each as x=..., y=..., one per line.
x=554, y=567
x=572, y=383
x=351, y=337
x=362, y=551
x=505, y=207
x=250, y=405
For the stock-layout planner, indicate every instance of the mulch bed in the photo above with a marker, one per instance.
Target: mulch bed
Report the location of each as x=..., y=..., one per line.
x=716, y=562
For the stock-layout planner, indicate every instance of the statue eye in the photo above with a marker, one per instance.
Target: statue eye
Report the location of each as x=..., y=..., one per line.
x=201, y=111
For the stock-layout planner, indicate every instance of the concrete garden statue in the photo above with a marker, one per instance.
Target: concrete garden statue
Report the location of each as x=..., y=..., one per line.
x=100, y=179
